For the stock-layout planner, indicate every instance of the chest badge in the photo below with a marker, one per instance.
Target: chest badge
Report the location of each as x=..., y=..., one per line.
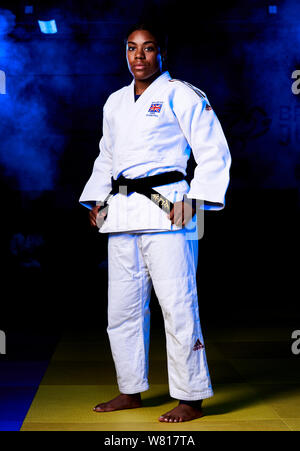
x=155, y=108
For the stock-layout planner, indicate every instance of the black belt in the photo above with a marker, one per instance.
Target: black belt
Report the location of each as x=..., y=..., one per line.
x=144, y=186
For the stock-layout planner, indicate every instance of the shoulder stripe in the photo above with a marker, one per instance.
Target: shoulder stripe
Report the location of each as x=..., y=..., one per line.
x=196, y=90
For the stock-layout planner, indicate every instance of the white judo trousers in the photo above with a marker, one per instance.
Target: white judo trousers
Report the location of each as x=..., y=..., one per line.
x=168, y=261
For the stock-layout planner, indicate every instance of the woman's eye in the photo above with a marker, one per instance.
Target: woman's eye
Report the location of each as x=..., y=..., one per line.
x=148, y=49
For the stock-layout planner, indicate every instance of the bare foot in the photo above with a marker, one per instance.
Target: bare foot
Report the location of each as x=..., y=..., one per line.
x=182, y=412
x=120, y=402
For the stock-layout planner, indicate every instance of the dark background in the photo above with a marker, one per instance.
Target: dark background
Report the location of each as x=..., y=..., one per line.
x=53, y=265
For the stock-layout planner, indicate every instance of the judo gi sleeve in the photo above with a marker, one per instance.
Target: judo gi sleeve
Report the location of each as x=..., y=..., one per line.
x=99, y=184
x=205, y=136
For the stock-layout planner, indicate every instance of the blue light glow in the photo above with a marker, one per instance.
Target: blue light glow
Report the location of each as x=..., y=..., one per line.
x=272, y=9
x=28, y=9
x=48, y=26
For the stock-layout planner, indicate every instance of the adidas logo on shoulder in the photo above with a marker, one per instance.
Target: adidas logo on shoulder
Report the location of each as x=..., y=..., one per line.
x=198, y=345
x=196, y=90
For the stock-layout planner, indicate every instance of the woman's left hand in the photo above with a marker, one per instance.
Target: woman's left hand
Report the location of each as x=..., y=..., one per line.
x=181, y=213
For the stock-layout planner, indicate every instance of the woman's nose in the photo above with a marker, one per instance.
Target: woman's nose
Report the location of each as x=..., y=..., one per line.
x=139, y=54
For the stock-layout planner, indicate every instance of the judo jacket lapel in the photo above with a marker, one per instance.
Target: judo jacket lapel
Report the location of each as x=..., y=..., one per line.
x=151, y=94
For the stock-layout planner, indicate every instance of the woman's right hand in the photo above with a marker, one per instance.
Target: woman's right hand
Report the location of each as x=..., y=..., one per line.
x=93, y=215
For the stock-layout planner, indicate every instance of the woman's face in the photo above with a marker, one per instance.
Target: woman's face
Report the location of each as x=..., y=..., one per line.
x=143, y=54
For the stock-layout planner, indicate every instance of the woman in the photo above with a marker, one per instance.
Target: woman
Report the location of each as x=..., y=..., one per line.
x=149, y=129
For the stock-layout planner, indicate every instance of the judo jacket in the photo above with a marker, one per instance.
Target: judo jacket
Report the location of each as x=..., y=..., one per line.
x=153, y=135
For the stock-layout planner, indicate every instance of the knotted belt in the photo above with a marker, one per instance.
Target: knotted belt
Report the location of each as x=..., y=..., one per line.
x=144, y=186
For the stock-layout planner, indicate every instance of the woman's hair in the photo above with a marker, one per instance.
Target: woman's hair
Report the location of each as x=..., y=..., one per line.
x=158, y=32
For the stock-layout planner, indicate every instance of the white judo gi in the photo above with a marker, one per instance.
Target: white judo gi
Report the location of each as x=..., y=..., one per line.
x=154, y=135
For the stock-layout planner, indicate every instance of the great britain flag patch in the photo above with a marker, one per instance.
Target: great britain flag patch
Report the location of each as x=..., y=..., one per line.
x=155, y=107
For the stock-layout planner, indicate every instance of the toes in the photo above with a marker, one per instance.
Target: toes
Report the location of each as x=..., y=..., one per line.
x=173, y=420
x=164, y=417
x=167, y=418
x=101, y=408
x=170, y=418
x=98, y=409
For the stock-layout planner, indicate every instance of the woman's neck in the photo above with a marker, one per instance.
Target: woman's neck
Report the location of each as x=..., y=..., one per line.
x=141, y=85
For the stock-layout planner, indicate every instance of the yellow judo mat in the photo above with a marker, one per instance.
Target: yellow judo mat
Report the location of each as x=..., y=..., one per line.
x=255, y=377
